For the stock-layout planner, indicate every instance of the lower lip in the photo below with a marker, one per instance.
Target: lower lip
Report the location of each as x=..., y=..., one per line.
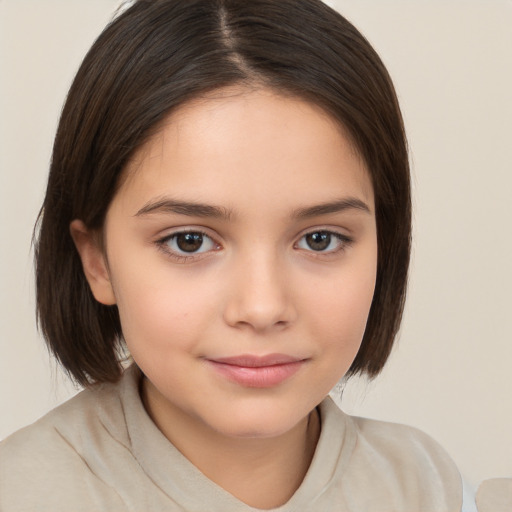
x=259, y=377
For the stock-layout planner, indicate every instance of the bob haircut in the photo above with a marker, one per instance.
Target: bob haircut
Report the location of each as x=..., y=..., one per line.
x=156, y=56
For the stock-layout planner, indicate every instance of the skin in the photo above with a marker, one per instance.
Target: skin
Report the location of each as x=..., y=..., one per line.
x=255, y=286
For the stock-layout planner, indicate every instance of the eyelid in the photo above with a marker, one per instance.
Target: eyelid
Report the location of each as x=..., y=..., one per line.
x=192, y=228
x=162, y=243
x=344, y=239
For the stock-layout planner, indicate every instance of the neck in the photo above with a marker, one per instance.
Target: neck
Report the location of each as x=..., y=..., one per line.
x=261, y=472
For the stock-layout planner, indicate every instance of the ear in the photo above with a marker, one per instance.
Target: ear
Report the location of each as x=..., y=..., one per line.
x=93, y=262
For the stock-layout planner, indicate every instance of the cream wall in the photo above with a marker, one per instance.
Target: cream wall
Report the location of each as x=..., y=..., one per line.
x=451, y=61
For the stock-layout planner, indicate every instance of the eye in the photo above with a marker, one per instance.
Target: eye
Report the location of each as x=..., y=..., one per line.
x=188, y=243
x=323, y=241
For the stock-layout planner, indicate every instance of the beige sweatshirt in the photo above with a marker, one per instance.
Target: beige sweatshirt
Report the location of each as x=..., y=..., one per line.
x=100, y=451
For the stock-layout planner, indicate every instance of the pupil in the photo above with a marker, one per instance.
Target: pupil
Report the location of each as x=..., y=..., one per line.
x=318, y=241
x=189, y=242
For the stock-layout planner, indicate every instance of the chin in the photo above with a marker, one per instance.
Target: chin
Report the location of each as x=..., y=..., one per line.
x=252, y=431
x=257, y=422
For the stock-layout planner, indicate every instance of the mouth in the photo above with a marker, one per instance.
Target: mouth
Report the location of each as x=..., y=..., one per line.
x=257, y=371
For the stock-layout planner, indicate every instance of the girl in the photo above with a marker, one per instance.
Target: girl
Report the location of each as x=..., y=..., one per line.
x=229, y=204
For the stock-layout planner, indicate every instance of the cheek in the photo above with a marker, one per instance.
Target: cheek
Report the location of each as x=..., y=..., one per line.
x=158, y=310
x=342, y=307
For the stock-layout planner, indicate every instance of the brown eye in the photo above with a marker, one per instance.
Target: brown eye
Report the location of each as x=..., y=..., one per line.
x=323, y=241
x=189, y=242
x=318, y=241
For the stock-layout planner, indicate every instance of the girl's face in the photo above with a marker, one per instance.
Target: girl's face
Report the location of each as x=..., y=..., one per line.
x=241, y=252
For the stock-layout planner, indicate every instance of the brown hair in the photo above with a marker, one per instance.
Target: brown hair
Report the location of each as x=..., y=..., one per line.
x=159, y=54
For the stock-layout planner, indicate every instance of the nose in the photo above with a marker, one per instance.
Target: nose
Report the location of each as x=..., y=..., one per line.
x=259, y=295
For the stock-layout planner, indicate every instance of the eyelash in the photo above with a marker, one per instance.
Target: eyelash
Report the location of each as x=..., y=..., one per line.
x=344, y=242
x=163, y=245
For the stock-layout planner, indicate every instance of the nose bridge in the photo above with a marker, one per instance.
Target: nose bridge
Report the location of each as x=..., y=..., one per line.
x=259, y=291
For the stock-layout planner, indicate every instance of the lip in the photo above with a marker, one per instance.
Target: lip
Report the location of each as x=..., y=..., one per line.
x=257, y=371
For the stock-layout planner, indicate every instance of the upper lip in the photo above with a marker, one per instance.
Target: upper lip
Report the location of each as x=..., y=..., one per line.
x=255, y=361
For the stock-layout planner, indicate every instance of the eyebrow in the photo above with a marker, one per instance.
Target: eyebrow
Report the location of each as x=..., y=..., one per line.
x=191, y=209
x=337, y=206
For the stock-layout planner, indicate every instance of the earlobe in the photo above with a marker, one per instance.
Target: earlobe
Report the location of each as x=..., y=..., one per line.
x=93, y=262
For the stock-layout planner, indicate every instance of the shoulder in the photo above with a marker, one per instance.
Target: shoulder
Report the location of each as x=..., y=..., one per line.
x=45, y=434
x=410, y=460
x=399, y=466
x=53, y=453
x=391, y=442
x=396, y=439
x=403, y=448
x=67, y=424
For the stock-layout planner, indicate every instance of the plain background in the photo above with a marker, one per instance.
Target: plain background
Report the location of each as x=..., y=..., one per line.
x=450, y=373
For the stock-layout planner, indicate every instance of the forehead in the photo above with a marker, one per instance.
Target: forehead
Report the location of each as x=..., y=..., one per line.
x=244, y=146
